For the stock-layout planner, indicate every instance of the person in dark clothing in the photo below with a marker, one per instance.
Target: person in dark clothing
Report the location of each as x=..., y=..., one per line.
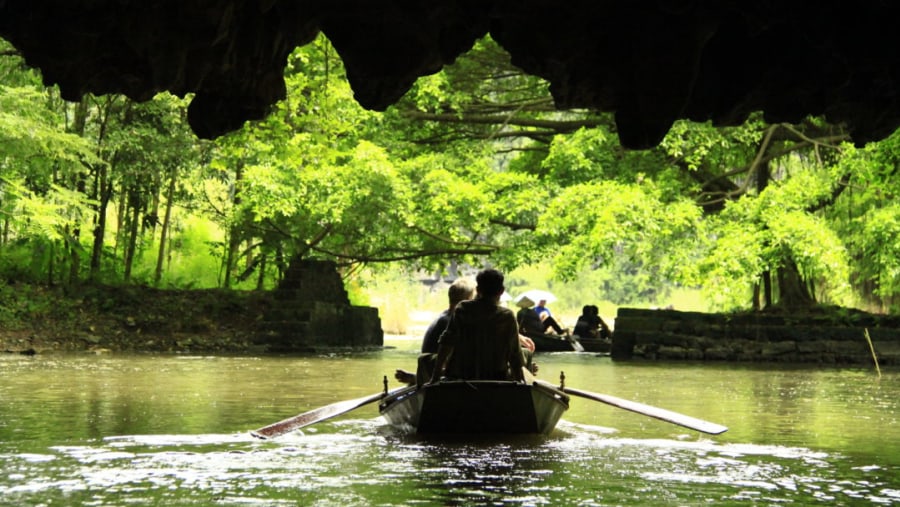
x=460, y=290
x=481, y=341
x=590, y=324
x=583, y=326
x=529, y=321
x=603, y=330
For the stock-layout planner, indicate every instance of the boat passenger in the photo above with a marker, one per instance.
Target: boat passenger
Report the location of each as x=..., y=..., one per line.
x=460, y=290
x=547, y=320
x=481, y=341
x=528, y=320
x=590, y=324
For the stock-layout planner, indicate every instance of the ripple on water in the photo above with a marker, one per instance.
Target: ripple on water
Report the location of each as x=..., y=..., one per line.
x=362, y=462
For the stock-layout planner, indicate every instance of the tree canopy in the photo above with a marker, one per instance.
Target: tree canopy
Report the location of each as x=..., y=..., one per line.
x=474, y=165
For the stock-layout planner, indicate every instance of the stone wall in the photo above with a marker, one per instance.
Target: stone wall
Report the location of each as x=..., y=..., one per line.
x=837, y=337
x=311, y=311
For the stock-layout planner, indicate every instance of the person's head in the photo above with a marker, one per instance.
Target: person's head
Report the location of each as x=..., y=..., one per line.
x=542, y=302
x=460, y=290
x=586, y=310
x=595, y=310
x=490, y=283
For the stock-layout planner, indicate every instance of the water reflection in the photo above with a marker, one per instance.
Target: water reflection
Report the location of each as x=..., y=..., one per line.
x=154, y=430
x=361, y=462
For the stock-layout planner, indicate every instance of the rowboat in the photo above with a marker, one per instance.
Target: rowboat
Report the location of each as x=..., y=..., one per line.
x=550, y=343
x=602, y=345
x=475, y=407
x=478, y=407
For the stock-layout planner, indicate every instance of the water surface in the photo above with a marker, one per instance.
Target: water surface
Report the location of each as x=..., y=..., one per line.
x=173, y=430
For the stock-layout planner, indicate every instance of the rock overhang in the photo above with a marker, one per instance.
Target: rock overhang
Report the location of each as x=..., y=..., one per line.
x=649, y=62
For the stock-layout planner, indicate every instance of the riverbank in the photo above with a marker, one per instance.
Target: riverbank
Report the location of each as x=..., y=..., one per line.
x=36, y=319
x=100, y=319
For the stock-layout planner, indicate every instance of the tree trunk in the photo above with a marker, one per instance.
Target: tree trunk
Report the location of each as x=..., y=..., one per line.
x=79, y=185
x=74, y=258
x=131, y=246
x=121, y=212
x=261, y=276
x=164, y=230
x=75, y=241
x=104, y=195
x=767, y=289
x=234, y=237
x=763, y=176
x=793, y=291
x=151, y=220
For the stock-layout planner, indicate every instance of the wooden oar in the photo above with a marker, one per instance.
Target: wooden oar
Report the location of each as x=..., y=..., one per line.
x=316, y=415
x=656, y=412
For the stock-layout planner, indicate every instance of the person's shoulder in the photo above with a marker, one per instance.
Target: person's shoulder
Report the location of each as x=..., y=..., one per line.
x=505, y=311
x=469, y=303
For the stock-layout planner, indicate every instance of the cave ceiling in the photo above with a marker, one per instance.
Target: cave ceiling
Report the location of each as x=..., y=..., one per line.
x=649, y=62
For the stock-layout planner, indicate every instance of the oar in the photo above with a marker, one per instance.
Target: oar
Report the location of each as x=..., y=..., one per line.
x=317, y=415
x=659, y=413
x=575, y=343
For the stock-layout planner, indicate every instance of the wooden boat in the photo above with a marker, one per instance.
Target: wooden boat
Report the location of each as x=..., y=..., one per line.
x=550, y=343
x=478, y=407
x=475, y=406
x=603, y=345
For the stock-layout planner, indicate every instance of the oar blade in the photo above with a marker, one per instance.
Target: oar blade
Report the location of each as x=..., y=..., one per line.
x=655, y=412
x=575, y=343
x=313, y=416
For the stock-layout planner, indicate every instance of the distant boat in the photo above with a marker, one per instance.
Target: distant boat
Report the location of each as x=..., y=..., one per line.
x=551, y=343
x=476, y=406
x=603, y=345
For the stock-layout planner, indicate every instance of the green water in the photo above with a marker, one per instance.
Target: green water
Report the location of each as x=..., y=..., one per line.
x=173, y=430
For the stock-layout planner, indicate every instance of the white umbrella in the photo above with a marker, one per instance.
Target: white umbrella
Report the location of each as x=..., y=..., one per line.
x=535, y=296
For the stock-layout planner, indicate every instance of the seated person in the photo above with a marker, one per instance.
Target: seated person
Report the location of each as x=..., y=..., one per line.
x=603, y=330
x=584, y=325
x=547, y=320
x=528, y=320
x=481, y=341
x=460, y=290
x=590, y=324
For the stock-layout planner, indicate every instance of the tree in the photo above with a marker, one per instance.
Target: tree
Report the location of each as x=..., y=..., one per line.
x=38, y=160
x=473, y=165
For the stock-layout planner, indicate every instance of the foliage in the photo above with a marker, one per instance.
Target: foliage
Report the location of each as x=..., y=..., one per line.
x=474, y=166
x=598, y=224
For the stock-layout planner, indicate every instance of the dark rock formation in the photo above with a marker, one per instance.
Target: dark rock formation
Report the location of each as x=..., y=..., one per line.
x=651, y=62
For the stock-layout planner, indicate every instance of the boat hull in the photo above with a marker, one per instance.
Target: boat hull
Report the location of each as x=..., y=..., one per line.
x=482, y=407
x=550, y=343
x=602, y=345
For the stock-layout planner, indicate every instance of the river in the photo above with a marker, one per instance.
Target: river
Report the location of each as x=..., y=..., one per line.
x=118, y=430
